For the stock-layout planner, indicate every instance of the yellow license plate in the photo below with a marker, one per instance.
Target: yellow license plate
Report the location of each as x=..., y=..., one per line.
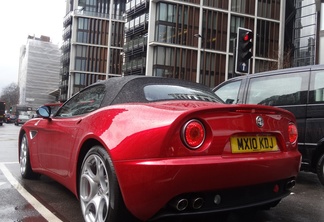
x=252, y=144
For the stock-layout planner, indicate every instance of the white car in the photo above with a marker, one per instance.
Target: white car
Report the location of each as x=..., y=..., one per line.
x=21, y=119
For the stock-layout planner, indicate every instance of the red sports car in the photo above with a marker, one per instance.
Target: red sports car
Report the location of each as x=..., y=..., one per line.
x=144, y=148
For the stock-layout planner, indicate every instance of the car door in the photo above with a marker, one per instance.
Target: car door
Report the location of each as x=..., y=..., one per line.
x=315, y=109
x=57, y=135
x=55, y=143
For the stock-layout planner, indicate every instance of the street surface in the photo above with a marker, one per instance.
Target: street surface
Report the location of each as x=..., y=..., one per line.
x=45, y=200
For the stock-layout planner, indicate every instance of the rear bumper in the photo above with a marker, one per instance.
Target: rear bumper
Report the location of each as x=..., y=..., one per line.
x=261, y=195
x=149, y=186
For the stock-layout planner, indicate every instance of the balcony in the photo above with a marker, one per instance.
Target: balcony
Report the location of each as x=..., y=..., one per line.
x=83, y=13
x=66, y=46
x=67, y=32
x=136, y=6
x=137, y=25
x=135, y=46
x=135, y=66
x=65, y=58
x=67, y=19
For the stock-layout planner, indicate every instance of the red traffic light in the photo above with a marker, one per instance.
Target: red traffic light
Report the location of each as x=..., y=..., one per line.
x=247, y=36
x=245, y=42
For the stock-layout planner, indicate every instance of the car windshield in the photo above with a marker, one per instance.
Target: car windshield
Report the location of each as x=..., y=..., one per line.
x=173, y=92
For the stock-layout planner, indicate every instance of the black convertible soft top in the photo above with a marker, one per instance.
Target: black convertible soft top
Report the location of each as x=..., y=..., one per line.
x=130, y=89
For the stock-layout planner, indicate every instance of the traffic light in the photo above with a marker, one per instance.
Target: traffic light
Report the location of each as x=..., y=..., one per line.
x=244, y=43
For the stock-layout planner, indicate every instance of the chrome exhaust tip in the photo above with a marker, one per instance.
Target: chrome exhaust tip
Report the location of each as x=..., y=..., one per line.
x=197, y=203
x=180, y=204
x=290, y=184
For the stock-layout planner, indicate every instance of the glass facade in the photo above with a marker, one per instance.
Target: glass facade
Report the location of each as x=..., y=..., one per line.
x=180, y=28
x=305, y=28
x=93, y=42
x=192, y=39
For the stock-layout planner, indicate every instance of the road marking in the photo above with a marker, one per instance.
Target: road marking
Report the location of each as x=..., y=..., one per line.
x=1, y=183
x=9, y=162
x=48, y=215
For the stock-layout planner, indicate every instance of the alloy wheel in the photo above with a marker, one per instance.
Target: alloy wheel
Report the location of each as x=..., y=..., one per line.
x=23, y=155
x=94, y=189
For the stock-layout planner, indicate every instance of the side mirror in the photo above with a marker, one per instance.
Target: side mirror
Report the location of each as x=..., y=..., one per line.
x=44, y=111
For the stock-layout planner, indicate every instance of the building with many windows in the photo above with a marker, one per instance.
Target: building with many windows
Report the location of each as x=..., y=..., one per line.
x=189, y=39
x=93, y=40
x=193, y=40
x=38, y=73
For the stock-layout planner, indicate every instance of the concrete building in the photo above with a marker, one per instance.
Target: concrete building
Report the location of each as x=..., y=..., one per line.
x=38, y=74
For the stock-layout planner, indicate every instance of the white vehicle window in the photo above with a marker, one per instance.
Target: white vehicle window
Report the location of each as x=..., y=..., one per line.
x=288, y=89
x=84, y=102
x=317, y=87
x=229, y=92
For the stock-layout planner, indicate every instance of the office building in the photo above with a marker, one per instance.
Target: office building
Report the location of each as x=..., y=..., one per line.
x=93, y=39
x=38, y=73
x=192, y=39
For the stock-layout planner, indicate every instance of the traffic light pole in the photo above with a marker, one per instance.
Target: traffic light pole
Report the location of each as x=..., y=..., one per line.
x=234, y=58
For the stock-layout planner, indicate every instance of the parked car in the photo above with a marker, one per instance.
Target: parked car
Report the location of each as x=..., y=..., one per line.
x=148, y=147
x=22, y=118
x=2, y=112
x=299, y=90
x=7, y=117
x=10, y=118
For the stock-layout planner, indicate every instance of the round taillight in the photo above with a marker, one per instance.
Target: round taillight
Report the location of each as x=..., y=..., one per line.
x=193, y=134
x=292, y=133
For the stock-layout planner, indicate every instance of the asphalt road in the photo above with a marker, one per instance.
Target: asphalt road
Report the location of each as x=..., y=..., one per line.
x=45, y=200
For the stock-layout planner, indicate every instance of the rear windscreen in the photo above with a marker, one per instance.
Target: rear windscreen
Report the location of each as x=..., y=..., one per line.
x=174, y=92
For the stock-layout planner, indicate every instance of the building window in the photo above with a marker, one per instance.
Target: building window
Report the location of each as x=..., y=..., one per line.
x=305, y=33
x=269, y=9
x=80, y=79
x=177, y=24
x=216, y=4
x=215, y=30
x=245, y=7
x=267, y=39
x=83, y=30
x=175, y=63
x=264, y=65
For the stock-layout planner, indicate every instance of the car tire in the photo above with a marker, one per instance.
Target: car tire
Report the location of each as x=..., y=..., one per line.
x=320, y=169
x=24, y=160
x=99, y=192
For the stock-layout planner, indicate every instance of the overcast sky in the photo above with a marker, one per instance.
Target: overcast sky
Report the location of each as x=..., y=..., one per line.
x=19, y=19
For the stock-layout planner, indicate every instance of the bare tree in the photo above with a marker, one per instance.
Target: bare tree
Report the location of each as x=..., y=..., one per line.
x=286, y=59
x=10, y=95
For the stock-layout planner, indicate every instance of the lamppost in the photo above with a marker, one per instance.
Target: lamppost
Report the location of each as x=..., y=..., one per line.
x=200, y=58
